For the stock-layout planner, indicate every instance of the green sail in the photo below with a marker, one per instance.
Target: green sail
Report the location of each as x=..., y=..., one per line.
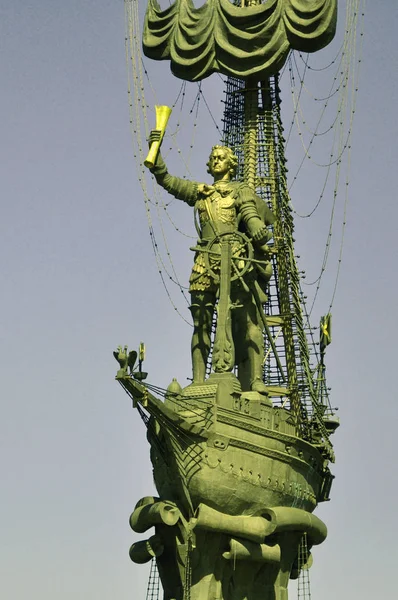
x=251, y=41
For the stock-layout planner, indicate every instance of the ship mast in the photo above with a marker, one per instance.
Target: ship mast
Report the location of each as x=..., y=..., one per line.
x=253, y=129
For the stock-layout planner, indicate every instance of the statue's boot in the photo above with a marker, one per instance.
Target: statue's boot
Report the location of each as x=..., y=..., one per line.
x=258, y=385
x=202, y=309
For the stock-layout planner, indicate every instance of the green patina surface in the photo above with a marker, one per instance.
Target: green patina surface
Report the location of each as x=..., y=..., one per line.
x=236, y=483
x=252, y=40
x=231, y=263
x=236, y=477
x=236, y=491
x=240, y=460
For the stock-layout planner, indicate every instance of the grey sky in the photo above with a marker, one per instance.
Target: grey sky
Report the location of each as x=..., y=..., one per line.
x=79, y=278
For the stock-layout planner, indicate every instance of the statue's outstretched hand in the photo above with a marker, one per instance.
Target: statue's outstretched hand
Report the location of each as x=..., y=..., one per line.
x=154, y=136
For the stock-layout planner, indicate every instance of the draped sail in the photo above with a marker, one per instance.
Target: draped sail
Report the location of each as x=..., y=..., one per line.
x=238, y=41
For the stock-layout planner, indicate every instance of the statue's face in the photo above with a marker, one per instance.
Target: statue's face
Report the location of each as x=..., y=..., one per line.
x=219, y=163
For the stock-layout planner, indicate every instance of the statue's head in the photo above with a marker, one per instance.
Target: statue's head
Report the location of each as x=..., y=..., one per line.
x=222, y=161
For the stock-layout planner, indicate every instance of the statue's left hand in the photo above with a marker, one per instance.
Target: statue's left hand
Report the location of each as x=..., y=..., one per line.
x=265, y=249
x=260, y=235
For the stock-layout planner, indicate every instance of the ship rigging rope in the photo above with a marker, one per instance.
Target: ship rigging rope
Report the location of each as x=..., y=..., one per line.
x=183, y=403
x=345, y=87
x=354, y=90
x=343, y=77
x=138, y=82
x=335, y=108
x=138, y=115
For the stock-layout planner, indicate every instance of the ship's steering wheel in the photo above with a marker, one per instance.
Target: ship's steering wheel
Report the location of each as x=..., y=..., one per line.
x=241, y=255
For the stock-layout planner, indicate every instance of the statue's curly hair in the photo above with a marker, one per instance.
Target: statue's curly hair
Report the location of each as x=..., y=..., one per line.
x=233, y=159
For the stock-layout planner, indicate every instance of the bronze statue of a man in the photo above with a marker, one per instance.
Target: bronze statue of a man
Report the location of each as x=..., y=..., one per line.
x=224, y=208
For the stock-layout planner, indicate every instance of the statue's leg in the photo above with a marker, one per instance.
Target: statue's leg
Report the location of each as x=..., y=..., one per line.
x=202, y=309
x=255, y=348
x=248, y=336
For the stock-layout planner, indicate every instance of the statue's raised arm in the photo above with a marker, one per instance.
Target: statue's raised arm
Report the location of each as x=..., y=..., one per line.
x=177, y=187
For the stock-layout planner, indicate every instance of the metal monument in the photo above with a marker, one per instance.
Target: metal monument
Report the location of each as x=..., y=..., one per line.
x=240, y=456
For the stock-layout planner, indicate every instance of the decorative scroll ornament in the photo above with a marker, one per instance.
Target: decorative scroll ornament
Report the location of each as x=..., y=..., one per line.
x=238, y=41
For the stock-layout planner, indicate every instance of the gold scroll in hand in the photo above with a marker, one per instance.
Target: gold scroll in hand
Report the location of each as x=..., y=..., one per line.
x=162, y=116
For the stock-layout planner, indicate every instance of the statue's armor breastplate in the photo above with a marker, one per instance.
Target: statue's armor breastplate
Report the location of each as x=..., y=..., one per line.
x=217, y=214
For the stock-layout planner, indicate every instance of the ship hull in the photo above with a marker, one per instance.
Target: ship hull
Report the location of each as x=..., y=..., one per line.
x=236, y=488
x=239, y=463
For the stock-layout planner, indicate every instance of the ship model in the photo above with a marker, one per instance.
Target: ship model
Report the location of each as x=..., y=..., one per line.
x=241, y=456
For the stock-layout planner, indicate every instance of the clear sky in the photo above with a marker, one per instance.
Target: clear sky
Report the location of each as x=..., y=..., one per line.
x=79, y=278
